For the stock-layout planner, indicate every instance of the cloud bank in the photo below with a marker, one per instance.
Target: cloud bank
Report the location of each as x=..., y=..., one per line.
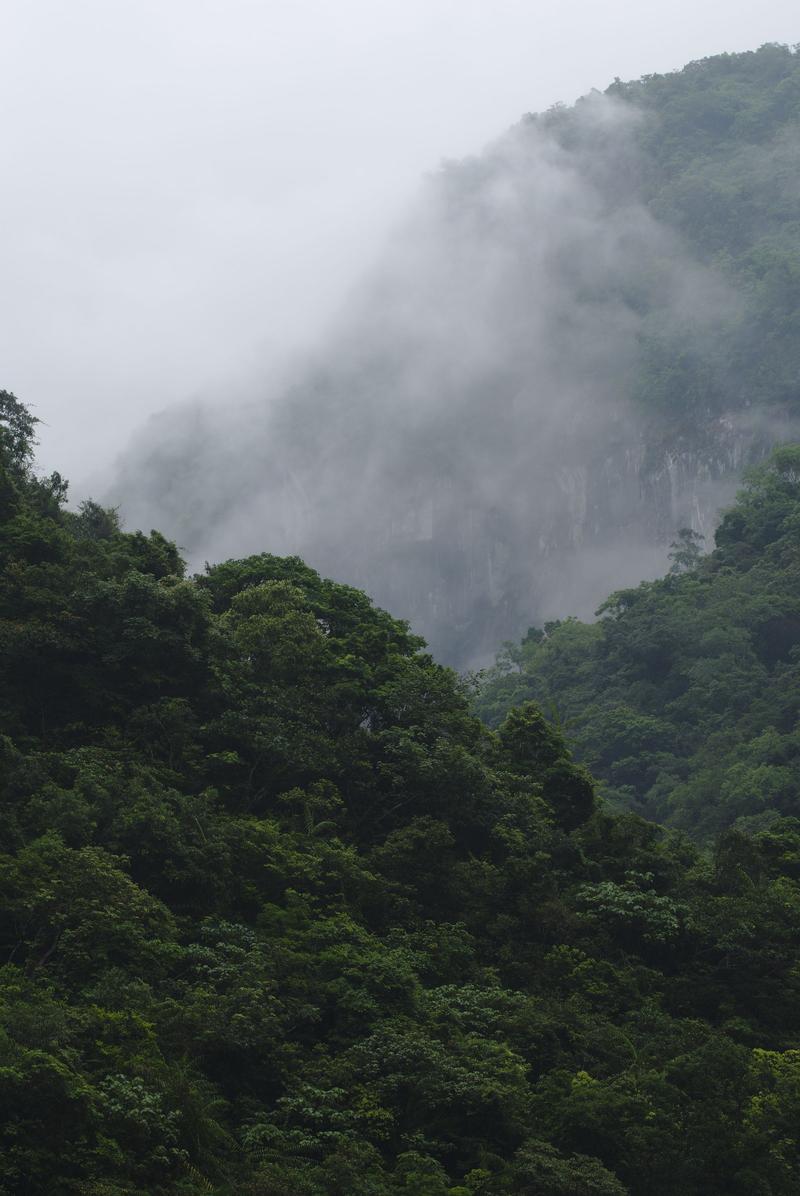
x=465, y=443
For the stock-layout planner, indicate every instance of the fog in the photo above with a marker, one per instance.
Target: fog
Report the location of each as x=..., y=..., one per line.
x=190, y=189
x=463, y=442
x=249, y=303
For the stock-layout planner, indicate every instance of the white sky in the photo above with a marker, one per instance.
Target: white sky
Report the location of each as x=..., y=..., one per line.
x=189, y=186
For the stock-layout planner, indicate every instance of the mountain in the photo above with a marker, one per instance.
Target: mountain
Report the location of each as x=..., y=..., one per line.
x=281, y=917
x=568, y=350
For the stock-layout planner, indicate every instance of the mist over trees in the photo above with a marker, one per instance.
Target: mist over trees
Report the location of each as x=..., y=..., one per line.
x=566, y=353
x=290, y=908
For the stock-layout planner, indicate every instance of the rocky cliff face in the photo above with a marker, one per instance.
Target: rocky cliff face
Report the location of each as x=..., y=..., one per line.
x=470, y=580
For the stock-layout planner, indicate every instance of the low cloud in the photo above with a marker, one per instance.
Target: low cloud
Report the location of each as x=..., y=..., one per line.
x=467, y=443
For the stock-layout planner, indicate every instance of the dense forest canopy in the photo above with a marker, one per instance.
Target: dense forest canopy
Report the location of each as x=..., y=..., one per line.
x=281, y=917
x=566, y=352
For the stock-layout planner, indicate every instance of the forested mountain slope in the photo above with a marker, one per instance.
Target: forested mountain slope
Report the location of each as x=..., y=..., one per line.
x=685, y=697
x=280, y=917
x=566, y=352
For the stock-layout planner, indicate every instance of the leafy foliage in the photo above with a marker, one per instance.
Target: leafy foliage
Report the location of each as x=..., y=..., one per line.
x=280, y=916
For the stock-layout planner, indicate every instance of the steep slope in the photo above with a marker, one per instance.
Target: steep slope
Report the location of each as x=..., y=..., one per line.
x=685, y=696
x=280, y=917
x=567, y=352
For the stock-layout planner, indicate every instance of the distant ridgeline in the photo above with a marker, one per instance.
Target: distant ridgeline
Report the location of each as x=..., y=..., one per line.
x=567, y=352
x=684, y=699
x=280, y=917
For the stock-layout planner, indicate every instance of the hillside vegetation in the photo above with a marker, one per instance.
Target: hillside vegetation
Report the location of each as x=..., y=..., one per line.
x=281, y=917
x=684, y=697
x=716, y=159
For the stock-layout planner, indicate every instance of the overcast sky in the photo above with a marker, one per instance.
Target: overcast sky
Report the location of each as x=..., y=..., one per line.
x=189, y=186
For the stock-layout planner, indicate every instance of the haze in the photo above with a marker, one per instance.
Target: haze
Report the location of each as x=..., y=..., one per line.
x=190, y=190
